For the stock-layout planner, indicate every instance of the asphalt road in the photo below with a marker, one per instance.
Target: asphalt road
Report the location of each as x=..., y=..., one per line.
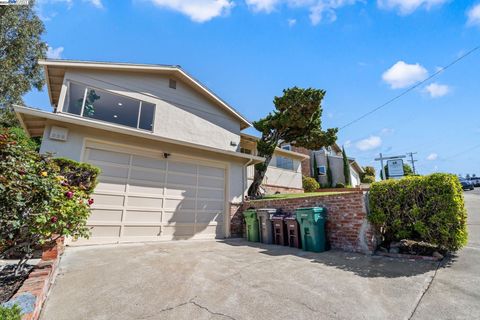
x=454, y=292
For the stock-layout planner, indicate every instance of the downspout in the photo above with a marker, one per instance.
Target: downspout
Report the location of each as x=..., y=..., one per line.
x=245, y=178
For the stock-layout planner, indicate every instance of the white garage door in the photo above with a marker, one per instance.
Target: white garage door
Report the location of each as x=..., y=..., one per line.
x=142, y=198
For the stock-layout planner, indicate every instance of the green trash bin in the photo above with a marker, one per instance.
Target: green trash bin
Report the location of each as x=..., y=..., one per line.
x=252, y=225
x=312, y=228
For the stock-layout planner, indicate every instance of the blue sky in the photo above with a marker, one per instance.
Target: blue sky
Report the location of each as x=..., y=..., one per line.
x=361, y=52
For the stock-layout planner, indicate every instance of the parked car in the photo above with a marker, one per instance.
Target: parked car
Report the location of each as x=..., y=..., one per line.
x=475, y=181
x=466, y=184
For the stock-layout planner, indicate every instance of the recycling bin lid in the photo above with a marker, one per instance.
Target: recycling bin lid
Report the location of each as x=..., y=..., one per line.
x=313, y=209
x=291, y=217
x=278, y=217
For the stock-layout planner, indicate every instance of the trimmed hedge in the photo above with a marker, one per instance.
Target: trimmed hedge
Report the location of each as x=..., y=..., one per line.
x=422, y=208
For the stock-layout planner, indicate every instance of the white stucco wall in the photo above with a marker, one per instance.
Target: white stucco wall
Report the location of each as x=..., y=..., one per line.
x=77, y=135
x=181, y=113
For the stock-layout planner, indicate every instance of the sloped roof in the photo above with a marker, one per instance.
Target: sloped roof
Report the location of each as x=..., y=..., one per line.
x=55, y=71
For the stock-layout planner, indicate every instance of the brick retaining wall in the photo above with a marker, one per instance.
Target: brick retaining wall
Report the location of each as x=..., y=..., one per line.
x=347, y=225
x=34, y=290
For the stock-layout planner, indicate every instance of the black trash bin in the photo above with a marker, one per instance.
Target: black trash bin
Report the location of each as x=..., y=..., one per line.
x=265, y=224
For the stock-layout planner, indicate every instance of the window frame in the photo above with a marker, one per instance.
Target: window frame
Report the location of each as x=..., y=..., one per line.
x=324, y=171
x=89, y=87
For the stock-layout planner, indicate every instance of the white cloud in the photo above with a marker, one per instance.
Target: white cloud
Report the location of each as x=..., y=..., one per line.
x=54, y=53
x=387, y=131
x=369, y=143
x=473, y=16
x=405, y=7
x=262, y=5
x=320, y=10
x=402, y=75
x=197, y=10
x=96, y=3
x=291, y=22
x=432, y=156
x=436, y=90
x=347, y=143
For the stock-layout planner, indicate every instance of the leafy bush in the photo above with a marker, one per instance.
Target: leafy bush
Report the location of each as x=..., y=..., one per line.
x=339, y=185
x=10, y=313
x=422, y=208
x=310, y=184
x=368, y=179
x=39, y=204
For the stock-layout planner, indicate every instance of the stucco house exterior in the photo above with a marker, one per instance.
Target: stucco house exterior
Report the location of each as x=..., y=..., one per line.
x=334, y=155
x=172, y=153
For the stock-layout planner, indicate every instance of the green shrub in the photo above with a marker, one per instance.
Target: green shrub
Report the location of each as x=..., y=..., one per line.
x=340, y=185
x=368, y=179
x=310, y=184
x=10, y=313
x=422, y=208
x=37, y=202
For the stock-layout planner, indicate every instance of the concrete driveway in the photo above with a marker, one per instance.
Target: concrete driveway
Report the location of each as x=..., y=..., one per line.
x=237, y=280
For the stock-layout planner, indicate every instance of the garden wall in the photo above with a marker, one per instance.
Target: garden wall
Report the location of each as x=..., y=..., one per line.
x=347, y=225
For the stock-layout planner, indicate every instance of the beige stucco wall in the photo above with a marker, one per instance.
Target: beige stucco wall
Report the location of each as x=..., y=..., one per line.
x=280, y=177
x=77, y=135
x=181, y=113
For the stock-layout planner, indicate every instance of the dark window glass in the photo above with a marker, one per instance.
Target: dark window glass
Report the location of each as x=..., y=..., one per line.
x=146, y=116
x=75, y=99
x=109, y=107
x=285, y=163
x=322, y=170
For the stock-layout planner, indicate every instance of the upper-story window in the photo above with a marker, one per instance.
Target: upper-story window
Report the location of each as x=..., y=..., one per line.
x=105, y=106
x=287, y=147
x=284, y=163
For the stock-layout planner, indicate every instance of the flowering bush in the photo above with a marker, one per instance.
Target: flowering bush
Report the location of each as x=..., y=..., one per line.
x=41, y=198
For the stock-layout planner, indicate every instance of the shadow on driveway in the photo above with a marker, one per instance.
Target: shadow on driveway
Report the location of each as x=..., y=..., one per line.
x=368, y=266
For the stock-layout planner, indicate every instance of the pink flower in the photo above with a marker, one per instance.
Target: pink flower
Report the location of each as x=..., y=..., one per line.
x=69, y=194
x=90, y=201
x=54, y=219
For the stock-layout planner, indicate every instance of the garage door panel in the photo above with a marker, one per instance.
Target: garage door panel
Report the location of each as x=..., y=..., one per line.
x=179, y=204
x=112, y=171
x=209, y=205
x=179, y=217
x=148, y=175
x=188, y=192
x=180, y=179
x=111, y=185
x=152, y=163
x=143, y=216
x=105, y=231
x=208, y=231
x=211, y=194
x=141, y=231
x=182, y=167
x=144, y=202
x=148, y=187
x=211, y=171
x=108, y=200
x=209, y=217
x=106, y=215
x=108, y=156
x=178, y=231
x=210, y=182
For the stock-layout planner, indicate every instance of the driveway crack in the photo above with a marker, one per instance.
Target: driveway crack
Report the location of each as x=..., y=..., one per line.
x=425, y=291
x=192, y=301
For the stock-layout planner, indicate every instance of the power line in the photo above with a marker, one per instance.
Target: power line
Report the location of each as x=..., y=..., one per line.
x=411, y=88
x=463, y=152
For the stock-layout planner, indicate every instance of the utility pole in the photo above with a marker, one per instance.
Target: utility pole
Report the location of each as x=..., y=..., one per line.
x=412, y=160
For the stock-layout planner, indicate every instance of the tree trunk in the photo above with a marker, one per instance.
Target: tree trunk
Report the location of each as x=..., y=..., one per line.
x=254, y=190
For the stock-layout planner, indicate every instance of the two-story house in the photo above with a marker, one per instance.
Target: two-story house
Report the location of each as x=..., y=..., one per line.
x=169, y=149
